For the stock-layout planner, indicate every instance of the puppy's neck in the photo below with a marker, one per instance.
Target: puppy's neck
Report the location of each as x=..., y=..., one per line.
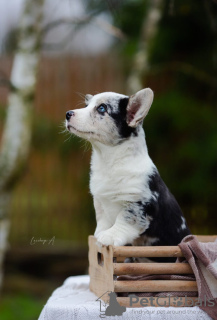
x=131, y=147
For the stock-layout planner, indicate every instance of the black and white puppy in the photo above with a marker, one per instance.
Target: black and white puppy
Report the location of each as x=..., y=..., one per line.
x=132, y=203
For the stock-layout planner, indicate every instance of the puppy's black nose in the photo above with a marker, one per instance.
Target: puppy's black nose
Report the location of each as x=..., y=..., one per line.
x=69, y=114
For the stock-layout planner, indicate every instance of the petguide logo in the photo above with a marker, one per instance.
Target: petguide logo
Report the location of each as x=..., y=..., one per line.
x=176, y=302
x=111, y=307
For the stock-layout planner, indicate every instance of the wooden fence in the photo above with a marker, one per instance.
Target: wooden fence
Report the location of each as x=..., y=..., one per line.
x=53, y=200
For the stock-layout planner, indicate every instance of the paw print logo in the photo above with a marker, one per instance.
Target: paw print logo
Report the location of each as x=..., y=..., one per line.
x=177, y=302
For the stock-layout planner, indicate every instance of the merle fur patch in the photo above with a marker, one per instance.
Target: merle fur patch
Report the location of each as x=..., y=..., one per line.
x=120, y=116
x=168, y=222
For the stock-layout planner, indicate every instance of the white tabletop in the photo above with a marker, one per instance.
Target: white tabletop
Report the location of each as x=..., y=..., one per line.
x=73, y=300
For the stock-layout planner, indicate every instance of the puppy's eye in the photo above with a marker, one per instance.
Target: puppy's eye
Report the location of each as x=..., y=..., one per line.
x=102, y=108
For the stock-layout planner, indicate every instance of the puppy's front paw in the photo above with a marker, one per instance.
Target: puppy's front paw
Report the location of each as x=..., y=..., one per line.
x=108, y=238
x=99, y=230
x=101, y=226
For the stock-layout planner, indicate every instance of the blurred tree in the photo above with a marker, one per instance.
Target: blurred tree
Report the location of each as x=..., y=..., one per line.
x=140, y=65
x=10, y=42
x=17, y=130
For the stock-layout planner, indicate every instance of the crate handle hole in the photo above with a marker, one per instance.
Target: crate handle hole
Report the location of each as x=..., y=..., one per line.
x=100, y=258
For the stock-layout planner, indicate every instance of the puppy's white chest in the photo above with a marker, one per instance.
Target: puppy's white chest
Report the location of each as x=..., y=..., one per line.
x=121, y=174
x=106, y=184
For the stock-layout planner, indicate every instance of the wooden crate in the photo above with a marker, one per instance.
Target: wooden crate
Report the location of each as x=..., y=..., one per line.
x=106, y=263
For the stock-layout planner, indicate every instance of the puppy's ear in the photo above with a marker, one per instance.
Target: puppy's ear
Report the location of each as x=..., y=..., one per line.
x=138, y=106
x=88, y=97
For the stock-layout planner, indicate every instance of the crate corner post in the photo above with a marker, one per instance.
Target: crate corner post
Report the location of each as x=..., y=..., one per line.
x=100, y=268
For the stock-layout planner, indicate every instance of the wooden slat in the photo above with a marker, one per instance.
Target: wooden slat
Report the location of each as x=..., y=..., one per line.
x=151, y=268
x=157, y=302
x=147, y=251
x=154, y=286
x=155, y=251
x=202, y=238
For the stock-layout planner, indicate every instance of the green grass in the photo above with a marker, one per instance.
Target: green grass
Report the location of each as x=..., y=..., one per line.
x=20, y=307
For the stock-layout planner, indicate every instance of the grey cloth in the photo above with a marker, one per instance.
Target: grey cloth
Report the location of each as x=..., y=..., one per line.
x=202, y=258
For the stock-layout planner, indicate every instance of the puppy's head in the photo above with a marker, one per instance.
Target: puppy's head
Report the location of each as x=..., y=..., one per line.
x=109, y=117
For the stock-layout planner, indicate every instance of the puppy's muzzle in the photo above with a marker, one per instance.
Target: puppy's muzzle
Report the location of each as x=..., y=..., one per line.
x=69, y=114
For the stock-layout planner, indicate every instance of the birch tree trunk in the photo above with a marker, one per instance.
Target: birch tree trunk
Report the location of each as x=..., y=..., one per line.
x=140, y=67
x=17, y=130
